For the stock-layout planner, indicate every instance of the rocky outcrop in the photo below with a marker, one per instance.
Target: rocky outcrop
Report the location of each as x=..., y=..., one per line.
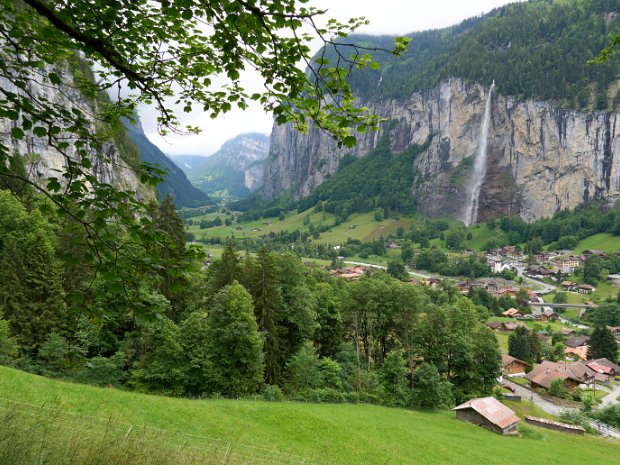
x=44, y=162
x=541, y=158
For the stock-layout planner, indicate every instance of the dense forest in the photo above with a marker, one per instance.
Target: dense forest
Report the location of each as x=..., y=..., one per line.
x=245, y=325
x=535, y=49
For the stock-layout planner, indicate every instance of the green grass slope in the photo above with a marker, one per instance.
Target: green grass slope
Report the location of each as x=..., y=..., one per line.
x=325, y=433
x=602, y=241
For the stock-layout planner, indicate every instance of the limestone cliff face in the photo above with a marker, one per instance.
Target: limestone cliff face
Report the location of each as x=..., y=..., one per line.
x=44, y=162
x=540, y=158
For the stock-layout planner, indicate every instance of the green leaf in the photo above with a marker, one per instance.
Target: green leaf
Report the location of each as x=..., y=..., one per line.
x=17, y=133
x=349, y=141
x=54, y=78
x=40, y=131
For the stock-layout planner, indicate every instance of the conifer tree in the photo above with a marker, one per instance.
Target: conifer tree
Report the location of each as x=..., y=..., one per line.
x=267, y=308
x=173, y=254
x=602, y=344
x=227, y=269
x=31, y=293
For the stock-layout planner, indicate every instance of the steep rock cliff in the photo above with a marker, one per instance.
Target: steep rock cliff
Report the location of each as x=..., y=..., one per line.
x=111, y=161
x=541, y=158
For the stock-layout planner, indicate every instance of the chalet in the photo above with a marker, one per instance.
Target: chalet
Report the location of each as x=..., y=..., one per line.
x=538, y=271
x=512, y=313
x=598, y=253
x=576, y=341
x=614, y=278
x=604, y=366
x=494, y=325
x=463, y=286
x=572, y=374
x=585, y=289
x=510, y=251
x=542, y=337
x=431, y=282
x=580, y=353
x=568, y=285
x=533, y=296
x=567, y=332
x=489, y=413
x=513, y=366
x=543, y=257
x=507, y=291
x=509, y=326
x=392, y=246
x=547, y=315
x=349, y=273
x=615, y=330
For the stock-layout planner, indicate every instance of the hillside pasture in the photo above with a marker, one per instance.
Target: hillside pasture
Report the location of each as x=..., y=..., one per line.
x=259, y=432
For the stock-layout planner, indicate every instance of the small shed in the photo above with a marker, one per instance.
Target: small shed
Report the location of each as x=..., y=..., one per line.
x=489, y=413
x=513, y=366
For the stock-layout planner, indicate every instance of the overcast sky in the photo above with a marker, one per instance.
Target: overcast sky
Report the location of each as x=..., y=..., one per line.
x=391, y=17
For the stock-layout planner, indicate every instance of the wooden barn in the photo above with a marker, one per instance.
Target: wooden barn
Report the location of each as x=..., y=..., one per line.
x=489, y=413
x=513, y=366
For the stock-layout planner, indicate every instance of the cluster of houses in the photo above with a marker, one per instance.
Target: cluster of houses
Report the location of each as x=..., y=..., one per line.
x=576, y=347
x=580, y=288
x=353, y=273
x=495, y=286
x=547, y=264
x=490, y=413
x=572, y=374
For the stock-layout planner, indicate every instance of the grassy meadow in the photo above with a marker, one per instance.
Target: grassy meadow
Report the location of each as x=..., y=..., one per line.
x=603, y=241
x=57, y=423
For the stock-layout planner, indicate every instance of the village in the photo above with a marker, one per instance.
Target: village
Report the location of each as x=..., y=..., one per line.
x=565, y=373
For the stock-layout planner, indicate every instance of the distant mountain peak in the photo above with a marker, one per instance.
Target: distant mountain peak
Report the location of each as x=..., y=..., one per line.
x=234, y=171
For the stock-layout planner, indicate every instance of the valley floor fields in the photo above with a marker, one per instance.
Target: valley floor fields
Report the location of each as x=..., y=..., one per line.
x=303, y=432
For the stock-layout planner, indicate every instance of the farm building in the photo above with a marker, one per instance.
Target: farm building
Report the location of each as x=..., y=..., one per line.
x=489, y=413
x=513, y=366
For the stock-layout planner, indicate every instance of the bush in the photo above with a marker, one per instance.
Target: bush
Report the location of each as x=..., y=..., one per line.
x=556, y=388
x=577, y=395
x=102, y=371
x=272, y=393
x=576, y=417
x=609, y=415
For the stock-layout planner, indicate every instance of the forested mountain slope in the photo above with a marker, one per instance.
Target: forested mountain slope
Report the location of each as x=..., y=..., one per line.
x=175, y=182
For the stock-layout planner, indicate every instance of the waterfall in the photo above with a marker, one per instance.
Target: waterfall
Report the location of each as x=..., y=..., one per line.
x=480, y=166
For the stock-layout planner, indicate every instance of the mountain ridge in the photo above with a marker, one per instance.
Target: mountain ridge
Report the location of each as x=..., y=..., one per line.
x=236, y=169
x=175, y=182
